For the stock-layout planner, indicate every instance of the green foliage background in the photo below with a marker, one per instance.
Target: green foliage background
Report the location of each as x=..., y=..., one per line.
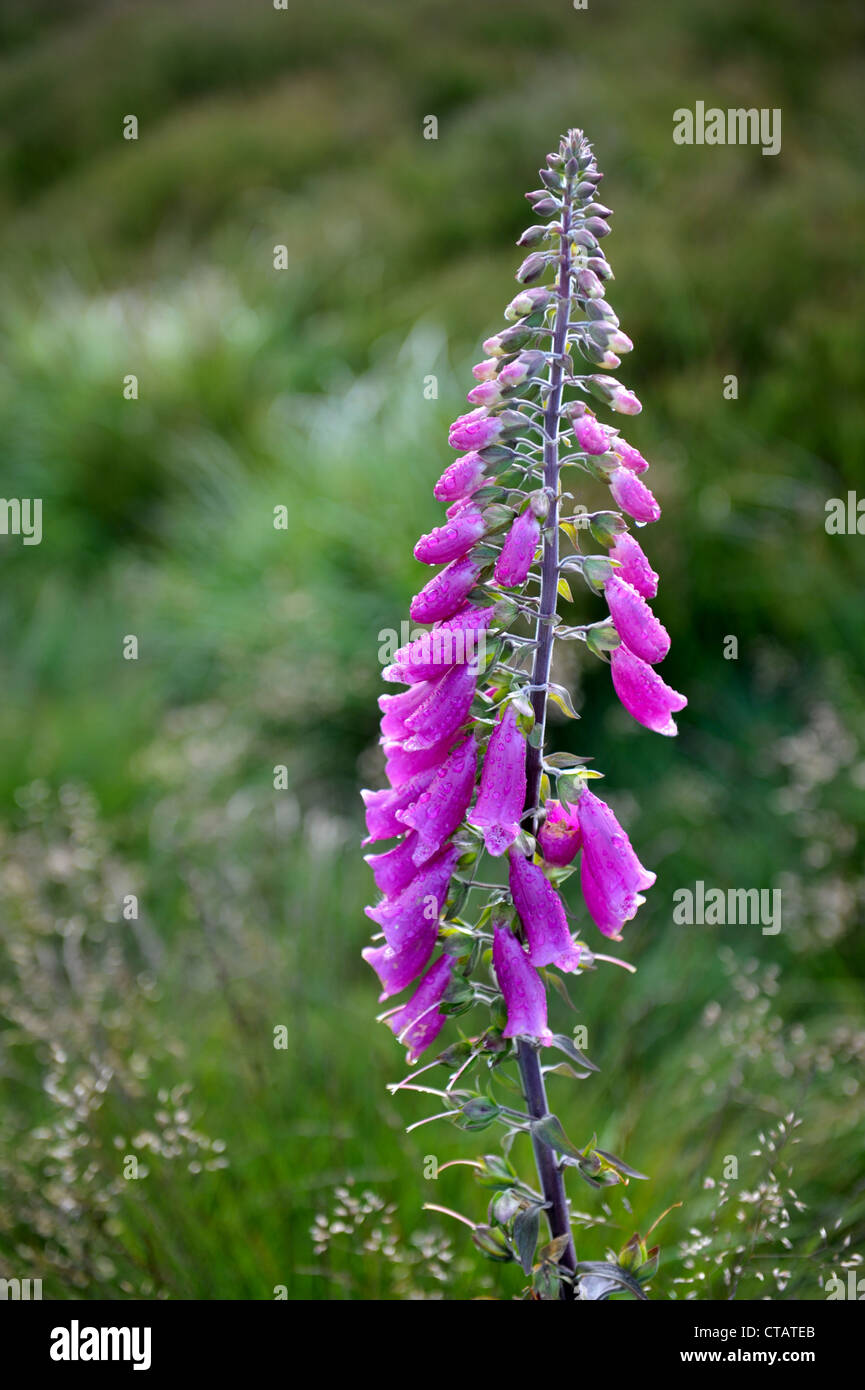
x=258, y=647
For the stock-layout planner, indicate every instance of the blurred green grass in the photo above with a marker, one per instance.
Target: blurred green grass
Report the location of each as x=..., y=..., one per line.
x=259, y=647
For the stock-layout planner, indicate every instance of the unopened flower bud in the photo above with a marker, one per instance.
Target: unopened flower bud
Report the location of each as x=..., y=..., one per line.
x=584, y=190
x=613, y=393
x=512, y=339
x=532, y=268
x=528, y=302
x=583, y=237
x=532, y=235
x=594, y=353
x=589, y=285
x=572, y=168
x=485, y=371
x=539, y=503
x=512, y=421
x=474, y=431
x=620, y=342
x=600, y=333
x=542, y=201
x=633, y=496
x=601, y=267
x=486, y=393
x=625, y=402
x=591, y=435
x=606, y=526
x=551, y=179
x=631, y=457
x=527, y=365
x=600, y=309
x=598, y=226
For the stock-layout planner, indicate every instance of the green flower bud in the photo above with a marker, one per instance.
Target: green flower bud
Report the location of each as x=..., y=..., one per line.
x=606, y=526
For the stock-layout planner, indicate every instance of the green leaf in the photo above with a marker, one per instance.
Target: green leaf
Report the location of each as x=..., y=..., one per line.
x=562, y=1069
x=565, y=760
x=567, y=1045
x=562, y=698
x=526, y=1227
x=549, y=1130
x=495, y=1171
x=620, y=1166
x=602, y=1278
x=601, y=638
x=496, y=515
x=552, y=978
x=597, y=569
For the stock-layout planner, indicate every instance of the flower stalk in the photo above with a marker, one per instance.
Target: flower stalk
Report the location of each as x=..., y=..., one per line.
x=550, y=1174
x=483, y=847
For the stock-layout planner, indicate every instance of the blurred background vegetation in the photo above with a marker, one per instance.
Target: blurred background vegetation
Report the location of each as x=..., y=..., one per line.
x=154, y=1038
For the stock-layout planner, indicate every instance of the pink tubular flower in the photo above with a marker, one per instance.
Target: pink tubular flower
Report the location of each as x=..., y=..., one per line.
x=560, y=836
x=440, y=808
x=591, y=435
x=457, y=639
x=618, y=877
x=452, y=540
x=598, y=905
x=394, y=870
x=634, y=566
x=463, y=477
x=518, y=551
x=444, y=710
x=631, y=457
x=395, y=709
x=418, y=1023
x=402, y=765
x=476, y=430
x=633, y=496
x=635, y=622
x=642, y=692
x=446, y=592
x=503, y=785
x=407, y=916
x=396, y=967
x=541, y=914
x=382, y=806
x=521, y=985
